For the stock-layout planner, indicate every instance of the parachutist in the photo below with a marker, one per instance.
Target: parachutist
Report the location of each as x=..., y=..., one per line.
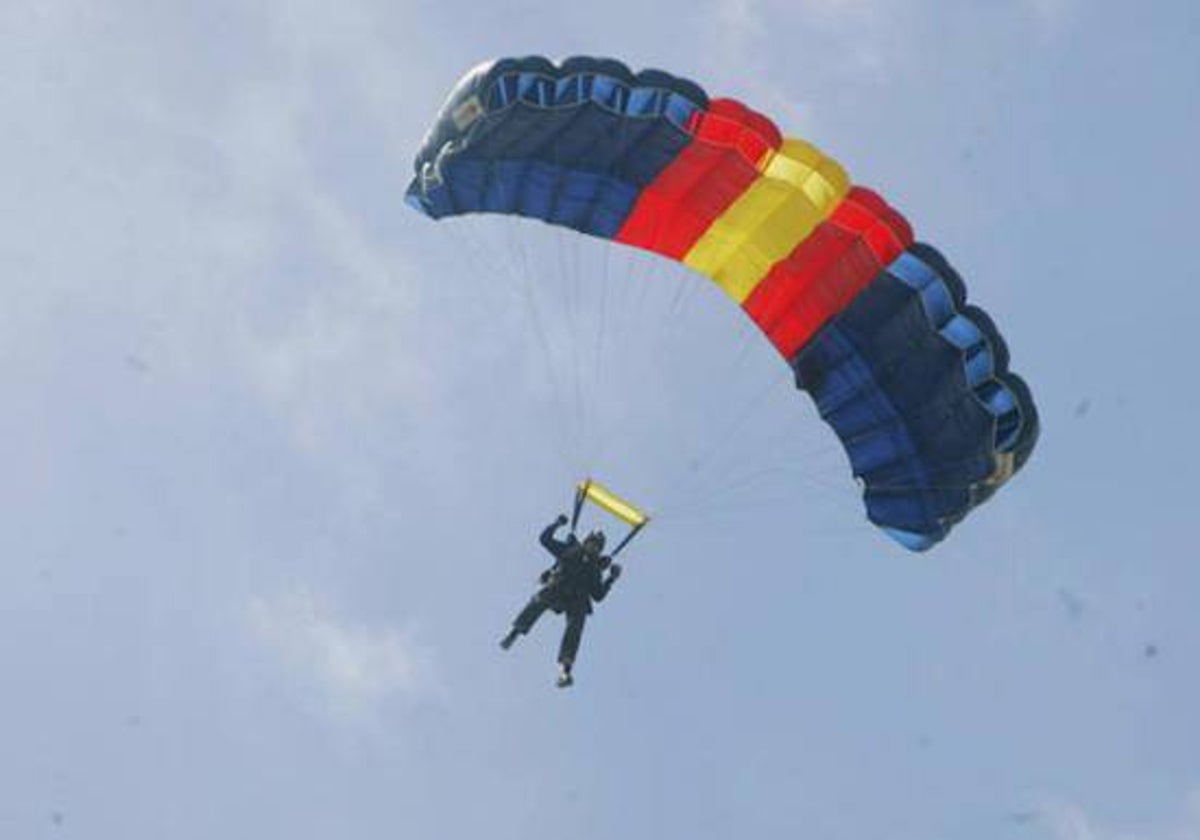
x=576, y=580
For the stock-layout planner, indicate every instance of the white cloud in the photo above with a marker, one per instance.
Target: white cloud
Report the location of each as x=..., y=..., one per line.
x=838, y=44
x=862, y=30
x=1067, y=821
x=351, y=669
x=234, y=203
x=1050, y=15
x=344, y=361
x=747, y=19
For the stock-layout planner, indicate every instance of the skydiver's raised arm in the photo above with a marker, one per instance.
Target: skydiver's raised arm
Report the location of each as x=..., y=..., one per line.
x=549, y=541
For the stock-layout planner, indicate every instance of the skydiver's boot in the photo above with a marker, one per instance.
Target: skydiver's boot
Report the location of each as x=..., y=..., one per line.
x=565, y=680
x=508, y=640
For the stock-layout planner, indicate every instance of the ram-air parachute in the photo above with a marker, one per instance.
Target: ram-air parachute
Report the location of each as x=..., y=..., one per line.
x=876, y=327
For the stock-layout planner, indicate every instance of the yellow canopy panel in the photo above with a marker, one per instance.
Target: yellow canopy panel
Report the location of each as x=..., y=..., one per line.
x=798, y=188
x=611, y=502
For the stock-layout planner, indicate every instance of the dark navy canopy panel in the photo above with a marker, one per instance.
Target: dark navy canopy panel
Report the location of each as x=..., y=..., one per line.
x=914, y=381
x=571, y=144
x=916, y=385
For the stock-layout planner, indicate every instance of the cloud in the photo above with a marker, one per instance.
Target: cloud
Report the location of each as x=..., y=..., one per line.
x=352, y=670
x=1050, y=15
x=315, y=155
x=845, y=44
x=1067, y=821
x=219, y=193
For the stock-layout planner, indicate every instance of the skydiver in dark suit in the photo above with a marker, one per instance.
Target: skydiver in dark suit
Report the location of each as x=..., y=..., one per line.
x=576, y=579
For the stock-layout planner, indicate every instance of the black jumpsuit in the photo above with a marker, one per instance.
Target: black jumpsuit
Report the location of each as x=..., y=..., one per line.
x=569, y=587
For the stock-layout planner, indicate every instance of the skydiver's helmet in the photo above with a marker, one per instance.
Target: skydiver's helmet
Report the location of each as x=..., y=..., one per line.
x=593, y=543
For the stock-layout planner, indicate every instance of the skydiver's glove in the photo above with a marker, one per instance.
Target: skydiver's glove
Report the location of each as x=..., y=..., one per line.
x=562, y=519
x=614, y=571
x=545, y=576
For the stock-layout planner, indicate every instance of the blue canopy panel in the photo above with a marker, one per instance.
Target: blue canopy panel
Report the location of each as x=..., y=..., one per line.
x=571, y=144
x=915, y=384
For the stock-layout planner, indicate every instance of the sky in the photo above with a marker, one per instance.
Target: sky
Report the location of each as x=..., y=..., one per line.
x=276, y=448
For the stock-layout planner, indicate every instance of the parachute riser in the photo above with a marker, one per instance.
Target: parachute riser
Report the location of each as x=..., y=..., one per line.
x=633, y=532
x=580, y=497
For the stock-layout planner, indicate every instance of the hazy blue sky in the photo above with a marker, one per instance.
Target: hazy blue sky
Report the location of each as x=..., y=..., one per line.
x=274, y=449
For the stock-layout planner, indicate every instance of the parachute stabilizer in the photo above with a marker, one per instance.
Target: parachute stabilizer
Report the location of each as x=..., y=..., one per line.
x=601, y=496
x=592, y=491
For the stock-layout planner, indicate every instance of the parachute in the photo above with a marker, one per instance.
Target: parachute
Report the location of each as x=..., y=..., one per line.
x=914, y=381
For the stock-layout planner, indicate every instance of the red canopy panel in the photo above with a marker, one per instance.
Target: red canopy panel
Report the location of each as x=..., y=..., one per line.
x=676, y=208
x=825, y=272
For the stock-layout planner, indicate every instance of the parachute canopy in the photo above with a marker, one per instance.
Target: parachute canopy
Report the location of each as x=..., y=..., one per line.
x=912, y=379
